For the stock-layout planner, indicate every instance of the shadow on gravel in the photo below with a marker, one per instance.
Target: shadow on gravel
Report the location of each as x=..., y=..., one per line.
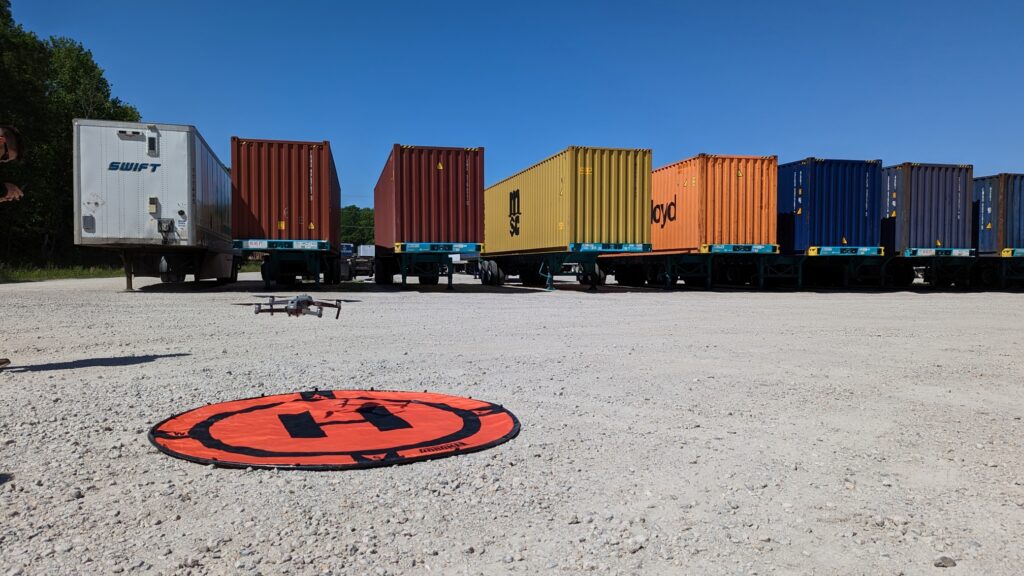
x=93, y=363
x=5, y=478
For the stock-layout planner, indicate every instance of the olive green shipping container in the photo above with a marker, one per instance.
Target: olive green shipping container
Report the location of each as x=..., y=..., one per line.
x=580, y=195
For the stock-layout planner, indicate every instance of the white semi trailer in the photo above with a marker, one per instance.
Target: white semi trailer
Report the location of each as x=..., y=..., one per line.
x=159, y=195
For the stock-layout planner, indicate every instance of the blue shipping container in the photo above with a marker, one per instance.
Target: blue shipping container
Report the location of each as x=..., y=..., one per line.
x=829, y=203
x=999, y=213
x=927, y=206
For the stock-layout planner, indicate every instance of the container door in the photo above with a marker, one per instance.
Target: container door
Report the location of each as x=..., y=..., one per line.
x=893, y=214
x=1013, y=230
x=134, y=185
x=984, y=213
x=940, y=207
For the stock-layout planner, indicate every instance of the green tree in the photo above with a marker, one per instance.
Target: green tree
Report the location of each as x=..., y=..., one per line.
x=47, y=83
x=357, y=225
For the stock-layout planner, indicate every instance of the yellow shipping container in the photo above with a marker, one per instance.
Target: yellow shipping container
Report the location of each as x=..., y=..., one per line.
x=580, y=195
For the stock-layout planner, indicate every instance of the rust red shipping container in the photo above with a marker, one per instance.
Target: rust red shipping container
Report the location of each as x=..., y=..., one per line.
x=429, y=194
x=283, y=190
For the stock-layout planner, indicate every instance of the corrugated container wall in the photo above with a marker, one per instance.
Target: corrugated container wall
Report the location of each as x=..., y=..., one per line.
x=829, y=203
x=999, y=213
x=285, y=190
x=927, y=206
x=580, y=195
x=711, y=199
x=429, y=194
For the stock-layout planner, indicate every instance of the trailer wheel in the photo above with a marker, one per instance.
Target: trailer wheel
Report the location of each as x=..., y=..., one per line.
x=595, y=278
x=381, y=272
x=489, y=273
x=173, y=277
x=333, y=274
x=232, y=277
x=498, y=275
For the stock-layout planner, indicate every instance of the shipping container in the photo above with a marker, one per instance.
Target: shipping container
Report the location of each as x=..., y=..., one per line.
x=714, y=200
x=927, y=207
x=156, y=192
x=999, y=214
x=830, y=207
x=429, y=195
x=287, y=207
x=428, y=208
x=285, y=190
x=578, y=196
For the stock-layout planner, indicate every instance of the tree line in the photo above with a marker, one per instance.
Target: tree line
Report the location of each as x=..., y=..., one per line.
x=45, y=84
x=357, y=225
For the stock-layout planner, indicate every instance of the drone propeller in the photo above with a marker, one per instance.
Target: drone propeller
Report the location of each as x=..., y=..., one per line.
x=331, y=304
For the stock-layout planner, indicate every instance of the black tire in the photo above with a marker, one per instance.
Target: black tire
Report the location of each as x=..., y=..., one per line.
x=485, y=272
x=596, y=278
x=491, y=274
x=429, y=280
x=232, y=278
x=335, y=270
x=382, y=272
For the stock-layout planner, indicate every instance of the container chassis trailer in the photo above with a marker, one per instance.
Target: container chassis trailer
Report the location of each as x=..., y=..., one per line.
x=761, y=266
x=540, y=268
x=426, y=260
x=285, y=261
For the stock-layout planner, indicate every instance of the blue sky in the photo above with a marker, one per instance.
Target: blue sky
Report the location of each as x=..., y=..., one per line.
x=901, y=81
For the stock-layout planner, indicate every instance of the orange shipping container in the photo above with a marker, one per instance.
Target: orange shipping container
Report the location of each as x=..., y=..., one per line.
x=711, y=199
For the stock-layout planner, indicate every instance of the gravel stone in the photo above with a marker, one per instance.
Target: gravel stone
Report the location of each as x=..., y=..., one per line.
x=826, y=429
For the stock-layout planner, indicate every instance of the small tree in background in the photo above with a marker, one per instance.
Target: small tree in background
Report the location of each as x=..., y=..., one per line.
x=357, y=225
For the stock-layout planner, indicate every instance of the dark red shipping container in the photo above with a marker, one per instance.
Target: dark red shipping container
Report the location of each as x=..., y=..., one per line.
x=283, y=190
x=428, y=194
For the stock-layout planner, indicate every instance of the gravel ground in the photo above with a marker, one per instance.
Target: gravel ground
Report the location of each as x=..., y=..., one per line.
x=662, y=432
